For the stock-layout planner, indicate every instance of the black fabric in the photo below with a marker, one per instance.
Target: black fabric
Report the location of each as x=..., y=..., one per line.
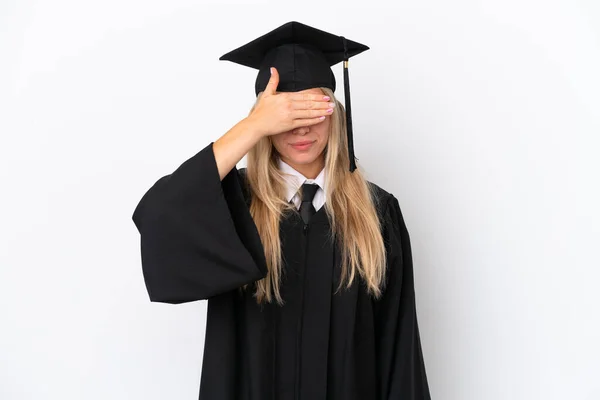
x=307, y=209
x=198, y=241
x=303, y=56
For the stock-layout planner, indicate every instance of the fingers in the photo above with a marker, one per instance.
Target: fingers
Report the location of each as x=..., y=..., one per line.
x=299, y=123
x=312, y=105
x=271, y=87
x=303, y=114
x=308, y=97
x=309, y=101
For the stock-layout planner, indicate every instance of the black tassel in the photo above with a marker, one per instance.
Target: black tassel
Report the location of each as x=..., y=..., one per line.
x=348, y=108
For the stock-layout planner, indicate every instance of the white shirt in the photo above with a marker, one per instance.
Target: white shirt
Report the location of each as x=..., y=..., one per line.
x=295, y=180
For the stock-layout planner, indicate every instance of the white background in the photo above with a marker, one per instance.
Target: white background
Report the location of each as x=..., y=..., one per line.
x=482, y=117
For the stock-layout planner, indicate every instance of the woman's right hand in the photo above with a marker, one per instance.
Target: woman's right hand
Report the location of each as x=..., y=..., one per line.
x=276, y=113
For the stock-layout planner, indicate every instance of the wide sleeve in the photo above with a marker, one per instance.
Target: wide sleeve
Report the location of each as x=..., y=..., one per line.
x=401, y=369
x=198, y=238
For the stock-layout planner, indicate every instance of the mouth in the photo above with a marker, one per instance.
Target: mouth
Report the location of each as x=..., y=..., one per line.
x=302, y=145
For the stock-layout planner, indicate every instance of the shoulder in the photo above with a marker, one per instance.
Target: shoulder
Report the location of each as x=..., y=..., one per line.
x=244, y=184
x=379, y=192
x=381, y=197
x=242, y=172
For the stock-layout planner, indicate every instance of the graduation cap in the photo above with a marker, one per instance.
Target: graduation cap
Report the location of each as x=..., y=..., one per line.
x=303, y=56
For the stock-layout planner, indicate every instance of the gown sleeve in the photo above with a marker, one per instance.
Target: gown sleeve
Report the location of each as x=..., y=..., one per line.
x=198, y=238
x=401, y=368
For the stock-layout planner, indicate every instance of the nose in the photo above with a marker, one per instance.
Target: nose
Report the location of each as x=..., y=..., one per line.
x=303, y=130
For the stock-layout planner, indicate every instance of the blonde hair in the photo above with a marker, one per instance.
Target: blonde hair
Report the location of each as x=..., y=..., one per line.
x=350, y=208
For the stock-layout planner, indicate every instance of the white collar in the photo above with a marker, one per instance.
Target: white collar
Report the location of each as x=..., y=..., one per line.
x=295, y=179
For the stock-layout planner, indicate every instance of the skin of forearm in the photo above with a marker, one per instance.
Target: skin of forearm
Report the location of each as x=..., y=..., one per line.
x=230, y=148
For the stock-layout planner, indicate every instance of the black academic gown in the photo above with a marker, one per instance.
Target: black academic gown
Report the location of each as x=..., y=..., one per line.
x=198, y=241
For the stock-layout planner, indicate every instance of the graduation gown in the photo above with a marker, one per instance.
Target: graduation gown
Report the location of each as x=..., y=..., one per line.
x=198, y=241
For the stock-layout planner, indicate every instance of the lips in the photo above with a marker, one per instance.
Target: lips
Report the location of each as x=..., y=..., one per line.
x=301, y=146
x=301, y=143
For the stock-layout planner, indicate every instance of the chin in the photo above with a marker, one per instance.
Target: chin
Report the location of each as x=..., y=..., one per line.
x=302, y=158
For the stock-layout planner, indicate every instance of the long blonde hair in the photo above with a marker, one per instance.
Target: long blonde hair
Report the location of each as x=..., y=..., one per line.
x=349, y=206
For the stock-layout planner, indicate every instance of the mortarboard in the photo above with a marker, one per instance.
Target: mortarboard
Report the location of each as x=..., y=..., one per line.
x=303, y=56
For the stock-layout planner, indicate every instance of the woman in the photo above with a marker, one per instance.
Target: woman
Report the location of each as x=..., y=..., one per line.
x=306, y=265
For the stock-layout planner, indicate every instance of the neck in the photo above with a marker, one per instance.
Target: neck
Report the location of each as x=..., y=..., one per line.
x=310, y=171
